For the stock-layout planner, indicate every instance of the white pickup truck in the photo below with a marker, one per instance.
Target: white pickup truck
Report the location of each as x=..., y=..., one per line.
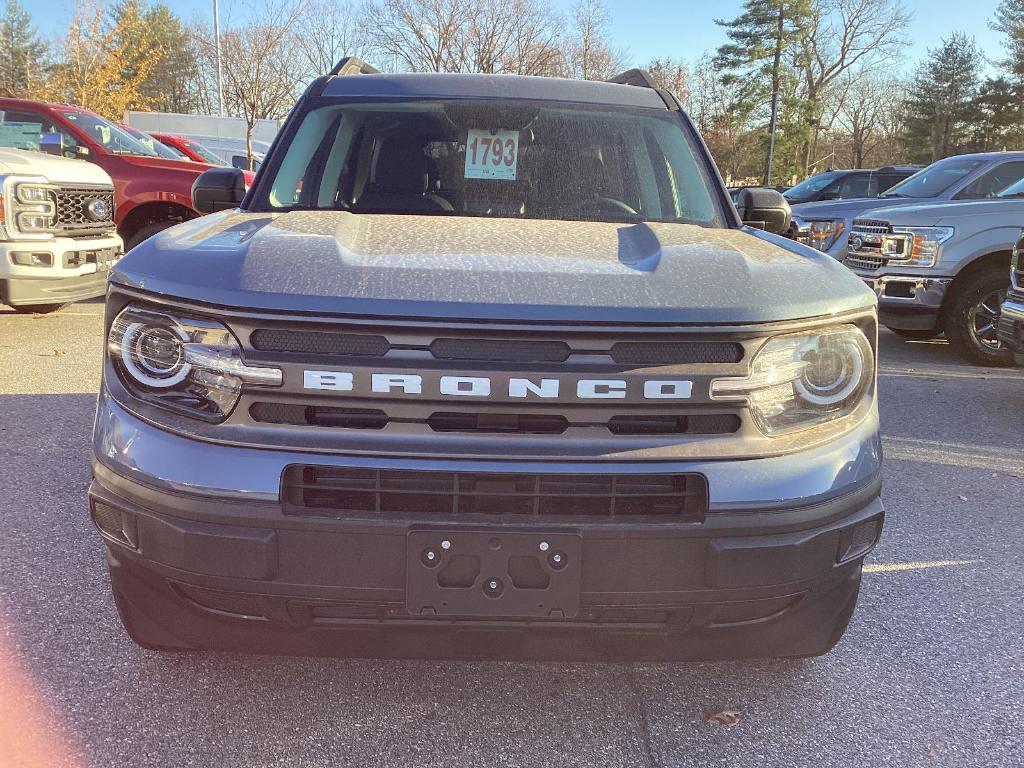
x=57, y=232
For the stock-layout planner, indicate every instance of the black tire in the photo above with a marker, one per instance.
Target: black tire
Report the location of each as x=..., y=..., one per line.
x=973, y=315
x=38, y=309
x=147, y=232
x=916, y=335
x=145, y=633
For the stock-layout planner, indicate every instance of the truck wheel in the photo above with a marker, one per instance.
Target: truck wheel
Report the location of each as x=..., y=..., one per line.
x=38, y=309
x=972, y=318
x=916, y=335
x=147, y=232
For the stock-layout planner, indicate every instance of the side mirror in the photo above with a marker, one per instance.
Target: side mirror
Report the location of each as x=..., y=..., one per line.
x=218, y=189
x=765, y=209
x=51, y=144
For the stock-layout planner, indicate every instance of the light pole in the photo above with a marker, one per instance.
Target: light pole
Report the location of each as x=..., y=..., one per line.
x=220, y=71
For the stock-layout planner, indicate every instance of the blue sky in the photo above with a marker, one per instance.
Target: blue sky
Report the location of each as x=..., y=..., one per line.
x=650, y=28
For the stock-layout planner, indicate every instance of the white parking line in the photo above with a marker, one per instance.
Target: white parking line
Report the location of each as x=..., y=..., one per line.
x=914, y=566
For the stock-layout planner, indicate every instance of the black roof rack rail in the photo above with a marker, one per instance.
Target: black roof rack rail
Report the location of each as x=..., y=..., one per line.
x=642, y=79
x=637, y=77
x=351, y=65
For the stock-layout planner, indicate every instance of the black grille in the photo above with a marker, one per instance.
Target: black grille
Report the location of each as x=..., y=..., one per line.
x=342, y=492
x=73, y=216
x=676, y=353
x=696, y=424
x=521, y=424
x=318, y=415
x=317, y=343
x=347, y=344
x=299, y=415
x=498, y=350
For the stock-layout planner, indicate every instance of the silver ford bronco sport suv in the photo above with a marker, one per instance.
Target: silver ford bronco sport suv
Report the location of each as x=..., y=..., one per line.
x=486, y=366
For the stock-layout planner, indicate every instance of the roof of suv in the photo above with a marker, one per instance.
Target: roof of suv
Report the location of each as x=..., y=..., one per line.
x=492, y=87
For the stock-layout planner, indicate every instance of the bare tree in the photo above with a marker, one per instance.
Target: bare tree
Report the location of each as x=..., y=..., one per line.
x=325, y=32
x=513, y=36
x=420, y=35
x=673, y=75
x=589, y=53
x=264, y=69
x=870, y=120
x=843, y=35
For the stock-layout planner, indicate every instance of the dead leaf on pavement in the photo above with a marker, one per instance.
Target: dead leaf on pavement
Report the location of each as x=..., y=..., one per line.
x=933, y=751
x=728, y=717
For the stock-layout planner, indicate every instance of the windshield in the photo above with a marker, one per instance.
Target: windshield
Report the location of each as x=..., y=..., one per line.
x=807, y=188
x=152, y=144
x=203, y=153
x=496, y=159
x=935, y=179
x=105, y=133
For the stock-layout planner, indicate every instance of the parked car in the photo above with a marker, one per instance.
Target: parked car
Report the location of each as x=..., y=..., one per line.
x=151, y=192
x=826, y=225
x=486, y=373
x=1011, y=318
x=191, y=149
x=154, y=145
x=942, y=269
x=57, y=233
x=848, y=184
x=233, y=151
x=195, y=151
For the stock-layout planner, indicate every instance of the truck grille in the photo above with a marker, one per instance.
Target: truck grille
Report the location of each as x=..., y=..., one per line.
x=74, y=216
x=495, y=350
x=345, y=492
x=868, y=233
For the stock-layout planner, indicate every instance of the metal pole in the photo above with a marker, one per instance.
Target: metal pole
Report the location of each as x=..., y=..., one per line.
x=220, y=70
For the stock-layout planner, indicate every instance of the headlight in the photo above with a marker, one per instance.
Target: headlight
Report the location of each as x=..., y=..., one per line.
x=805, y=379
x=183, y=363
x=914, y=246
x=29, y=207
x=821, y=233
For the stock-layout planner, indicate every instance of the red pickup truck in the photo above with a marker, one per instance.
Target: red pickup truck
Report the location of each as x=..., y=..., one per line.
x=150, y=193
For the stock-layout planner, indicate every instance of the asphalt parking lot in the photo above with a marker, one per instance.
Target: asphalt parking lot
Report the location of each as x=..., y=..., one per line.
x=930, y=673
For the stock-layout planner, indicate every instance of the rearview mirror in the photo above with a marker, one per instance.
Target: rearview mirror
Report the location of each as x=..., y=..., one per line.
x=218, y=189
x=765, y=209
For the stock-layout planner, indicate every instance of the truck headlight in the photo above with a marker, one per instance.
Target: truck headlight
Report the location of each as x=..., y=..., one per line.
x=186, y=364
x=28, y=207
x=803, y=380
x=821, y=233
x=914, y=246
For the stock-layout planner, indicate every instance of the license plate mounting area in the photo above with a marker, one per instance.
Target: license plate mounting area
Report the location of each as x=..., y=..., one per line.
x=493, y=573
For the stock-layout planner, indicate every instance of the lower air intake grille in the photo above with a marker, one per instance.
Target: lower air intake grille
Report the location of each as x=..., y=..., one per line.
x=676, y=352
x=345, y=492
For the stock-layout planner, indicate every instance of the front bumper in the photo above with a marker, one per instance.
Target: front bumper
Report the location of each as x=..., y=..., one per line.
x=907, y=302
x=199, y=544
x=1011, y=326
x=78, y=270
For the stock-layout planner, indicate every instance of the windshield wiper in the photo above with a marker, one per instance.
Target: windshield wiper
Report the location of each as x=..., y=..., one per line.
x=1008, y=195
x=893, y=194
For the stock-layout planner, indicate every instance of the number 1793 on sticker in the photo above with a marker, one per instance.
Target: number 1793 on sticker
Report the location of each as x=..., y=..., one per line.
x=492, y=154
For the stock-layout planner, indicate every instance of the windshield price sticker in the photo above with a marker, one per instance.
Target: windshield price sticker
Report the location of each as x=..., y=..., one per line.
x=492, y=154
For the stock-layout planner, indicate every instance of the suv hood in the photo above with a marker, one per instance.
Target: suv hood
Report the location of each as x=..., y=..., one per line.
x=491, y=269
x=59, y=170
x=948, y=213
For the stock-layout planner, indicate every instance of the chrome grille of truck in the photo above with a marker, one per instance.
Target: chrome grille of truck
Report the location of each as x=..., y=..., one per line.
x=345, y=492
x=866, y=232
x=73, y=216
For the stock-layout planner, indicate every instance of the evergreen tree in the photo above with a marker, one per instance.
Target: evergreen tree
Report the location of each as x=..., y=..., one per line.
x=942, y=105
x=759, y=39
x=1009, y=20
x=22, y=53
